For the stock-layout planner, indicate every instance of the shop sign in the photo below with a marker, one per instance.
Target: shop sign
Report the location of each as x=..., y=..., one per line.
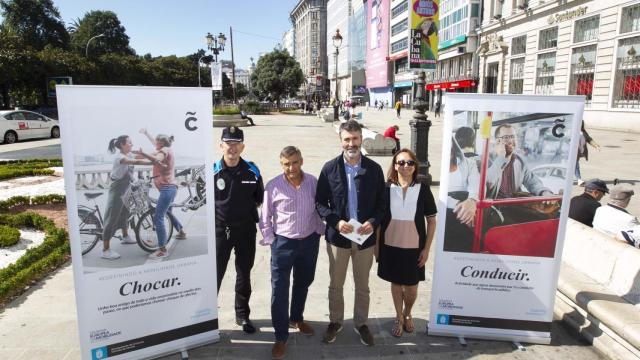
x=567, y=15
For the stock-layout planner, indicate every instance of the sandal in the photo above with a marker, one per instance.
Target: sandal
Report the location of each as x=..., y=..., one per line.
x=408, y=324
x=396, y=330
x=181, y=235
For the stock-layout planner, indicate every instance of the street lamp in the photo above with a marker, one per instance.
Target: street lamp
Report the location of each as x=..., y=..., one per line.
x=209, y=58
x=319, y=73
x=337, y=41
x=216, y=45
x=86, y=49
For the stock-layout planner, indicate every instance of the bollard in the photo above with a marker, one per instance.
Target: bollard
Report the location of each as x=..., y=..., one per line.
x=420, y=130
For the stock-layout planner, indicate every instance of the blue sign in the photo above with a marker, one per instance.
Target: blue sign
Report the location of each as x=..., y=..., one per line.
x=403, y=84
x=442, y=319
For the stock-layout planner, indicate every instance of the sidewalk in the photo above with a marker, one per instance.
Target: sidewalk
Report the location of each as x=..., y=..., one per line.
x=41, y=324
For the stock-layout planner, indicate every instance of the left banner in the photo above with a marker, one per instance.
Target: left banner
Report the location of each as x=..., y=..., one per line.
x=141, y=230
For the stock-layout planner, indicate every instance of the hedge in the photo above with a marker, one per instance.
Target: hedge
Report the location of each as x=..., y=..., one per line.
x=9, y=236
x=39, y=261
x=10, y=169
x=17, y=201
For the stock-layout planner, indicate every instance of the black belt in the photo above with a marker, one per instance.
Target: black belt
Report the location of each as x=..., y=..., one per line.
x=221, y=223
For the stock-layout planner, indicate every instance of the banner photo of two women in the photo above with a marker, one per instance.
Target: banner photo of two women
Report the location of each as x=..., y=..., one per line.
x=139, y=220
x=505, y=188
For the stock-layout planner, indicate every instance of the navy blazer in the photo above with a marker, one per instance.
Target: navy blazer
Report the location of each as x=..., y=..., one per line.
x=332, y=197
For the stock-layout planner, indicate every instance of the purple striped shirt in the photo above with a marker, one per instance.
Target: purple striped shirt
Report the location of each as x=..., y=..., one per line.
x=288, y=211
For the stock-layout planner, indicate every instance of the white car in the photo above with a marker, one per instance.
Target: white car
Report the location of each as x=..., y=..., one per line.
x=552, y=176
x=18, y=125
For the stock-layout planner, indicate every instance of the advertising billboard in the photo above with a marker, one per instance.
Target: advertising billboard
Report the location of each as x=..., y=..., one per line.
x=423, y=34
x=377, y=43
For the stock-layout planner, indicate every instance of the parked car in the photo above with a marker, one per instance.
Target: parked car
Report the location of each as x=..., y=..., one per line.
x=552, y=176
x=18, y=125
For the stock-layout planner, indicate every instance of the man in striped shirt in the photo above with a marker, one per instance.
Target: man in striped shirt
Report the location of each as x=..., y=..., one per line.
x=291, y=226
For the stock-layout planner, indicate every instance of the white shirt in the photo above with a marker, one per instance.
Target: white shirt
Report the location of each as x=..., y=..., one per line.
x=611, y=220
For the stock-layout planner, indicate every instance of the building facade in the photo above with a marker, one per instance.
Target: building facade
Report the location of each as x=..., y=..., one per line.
x=581, y=47
x=289, y=41
x=338, y=13
x=457, y=67
x=402, y=76
x=309, y=19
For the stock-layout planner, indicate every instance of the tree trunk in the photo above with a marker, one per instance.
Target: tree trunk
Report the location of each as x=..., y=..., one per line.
x=278, y=104
x=4, y=92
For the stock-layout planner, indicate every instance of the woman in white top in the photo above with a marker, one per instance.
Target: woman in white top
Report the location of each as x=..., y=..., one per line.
x=117, y=214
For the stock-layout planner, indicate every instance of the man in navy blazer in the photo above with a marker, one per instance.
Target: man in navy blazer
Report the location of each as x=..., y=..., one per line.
x=350, y=186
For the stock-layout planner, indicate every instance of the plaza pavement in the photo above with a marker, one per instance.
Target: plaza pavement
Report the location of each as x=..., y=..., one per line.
x=41, y=324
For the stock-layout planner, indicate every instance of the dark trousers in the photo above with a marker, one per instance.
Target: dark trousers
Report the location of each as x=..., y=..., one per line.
x=301, y=256
x=241, y=239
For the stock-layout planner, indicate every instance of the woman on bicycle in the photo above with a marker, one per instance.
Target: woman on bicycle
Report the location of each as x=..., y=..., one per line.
x=117, y=214
x=164, y=181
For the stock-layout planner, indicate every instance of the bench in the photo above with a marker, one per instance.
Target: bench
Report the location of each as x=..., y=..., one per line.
x=599, y=291
x=372, y=142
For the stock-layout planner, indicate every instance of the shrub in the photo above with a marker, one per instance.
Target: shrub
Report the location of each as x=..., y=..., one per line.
x=9, y=236
x=17, y=168
x=17, y=201
x=227, y=110
x=39, y=261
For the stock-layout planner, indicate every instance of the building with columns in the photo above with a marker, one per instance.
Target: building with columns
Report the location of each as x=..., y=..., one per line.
x=289, y=42
x=581, y=47
x=309, y=19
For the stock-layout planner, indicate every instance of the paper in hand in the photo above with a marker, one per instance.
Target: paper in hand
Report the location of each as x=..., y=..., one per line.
x=354, y=236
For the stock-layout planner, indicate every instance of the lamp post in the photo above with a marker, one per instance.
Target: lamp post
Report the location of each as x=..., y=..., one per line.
x=337, y=41
x=320, y=73
x=199, y=62
x=86, y=49
x=216, y=45
x=420, y=129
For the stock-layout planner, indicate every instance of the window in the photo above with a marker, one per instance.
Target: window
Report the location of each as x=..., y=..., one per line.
x=548, y=38
x=545, y=69
x=519, y=45
x=586, y=29
x=516, y=80
x=404, y=6
x=32, y=116
x=399, y=27
x=630, y=19
x=399, y=45
x=402, y=65
x=626, y=87
x=17, y=116
x=583, y=66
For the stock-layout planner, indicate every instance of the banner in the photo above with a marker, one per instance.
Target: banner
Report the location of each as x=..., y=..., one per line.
x=132, y=304
x=216, y=76
x=504, y=200
x=423, y=34
x=377, y=44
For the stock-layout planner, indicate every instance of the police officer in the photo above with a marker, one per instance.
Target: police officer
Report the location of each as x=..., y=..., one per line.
x=238, y=192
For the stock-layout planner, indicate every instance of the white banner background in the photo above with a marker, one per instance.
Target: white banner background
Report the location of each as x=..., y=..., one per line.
x=455, y=293
x=216, y=76
x=109, y=311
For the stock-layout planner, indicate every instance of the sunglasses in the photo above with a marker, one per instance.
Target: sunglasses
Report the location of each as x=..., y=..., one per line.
x=405, y=163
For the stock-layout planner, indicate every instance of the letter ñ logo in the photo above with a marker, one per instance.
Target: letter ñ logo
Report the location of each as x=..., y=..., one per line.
x=189, y=120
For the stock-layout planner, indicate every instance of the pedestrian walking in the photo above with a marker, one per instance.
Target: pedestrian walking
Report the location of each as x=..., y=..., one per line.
x=350, y=189
x=238, y=192
x=437, y=109
x=583, y=151
x=292, y=227
x=398, y=107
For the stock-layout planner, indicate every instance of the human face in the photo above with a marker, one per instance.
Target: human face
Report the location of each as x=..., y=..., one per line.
x=597, y=194
x=292, y=167
x=126, y=147
x=231, y=151
x=403, y=165
x=159, y=144
x=351, y=142
x=508, y=138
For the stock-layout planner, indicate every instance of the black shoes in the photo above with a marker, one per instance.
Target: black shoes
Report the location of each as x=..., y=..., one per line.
x=247, y=325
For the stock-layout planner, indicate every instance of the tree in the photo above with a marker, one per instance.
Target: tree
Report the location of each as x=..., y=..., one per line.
x=277, y=74
x=241, y=90
x=114, y=41
x=36, y=22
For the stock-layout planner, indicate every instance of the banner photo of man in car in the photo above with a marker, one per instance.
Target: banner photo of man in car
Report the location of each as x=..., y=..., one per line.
x=504, y=201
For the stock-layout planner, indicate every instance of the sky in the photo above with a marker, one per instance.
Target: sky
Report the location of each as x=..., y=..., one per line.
x=170, y=27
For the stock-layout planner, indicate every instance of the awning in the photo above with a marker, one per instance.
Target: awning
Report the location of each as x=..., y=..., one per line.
x=453, y=84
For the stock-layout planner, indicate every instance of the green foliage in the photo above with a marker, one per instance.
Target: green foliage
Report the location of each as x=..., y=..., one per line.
x=36, y=22
x=17, y=201
x=277, y=74
x=14, y=169
x=241, y=90
x=9, y=236
x=252, y=107
x=36, y=262
x=94, y=23
x=226, y=110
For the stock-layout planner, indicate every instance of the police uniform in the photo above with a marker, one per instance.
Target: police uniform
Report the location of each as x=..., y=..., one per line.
x=239, y=190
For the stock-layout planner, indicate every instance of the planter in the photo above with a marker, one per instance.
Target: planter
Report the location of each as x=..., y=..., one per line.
x=229, y=120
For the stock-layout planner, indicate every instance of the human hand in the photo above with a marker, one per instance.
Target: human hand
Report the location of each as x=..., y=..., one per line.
x=344, y=227
x=422, y=260
x=265, y=242
x=466, y=211
x=365, y=229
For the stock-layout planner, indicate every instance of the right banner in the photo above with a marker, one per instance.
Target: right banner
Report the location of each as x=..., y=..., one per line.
x=507, y=170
